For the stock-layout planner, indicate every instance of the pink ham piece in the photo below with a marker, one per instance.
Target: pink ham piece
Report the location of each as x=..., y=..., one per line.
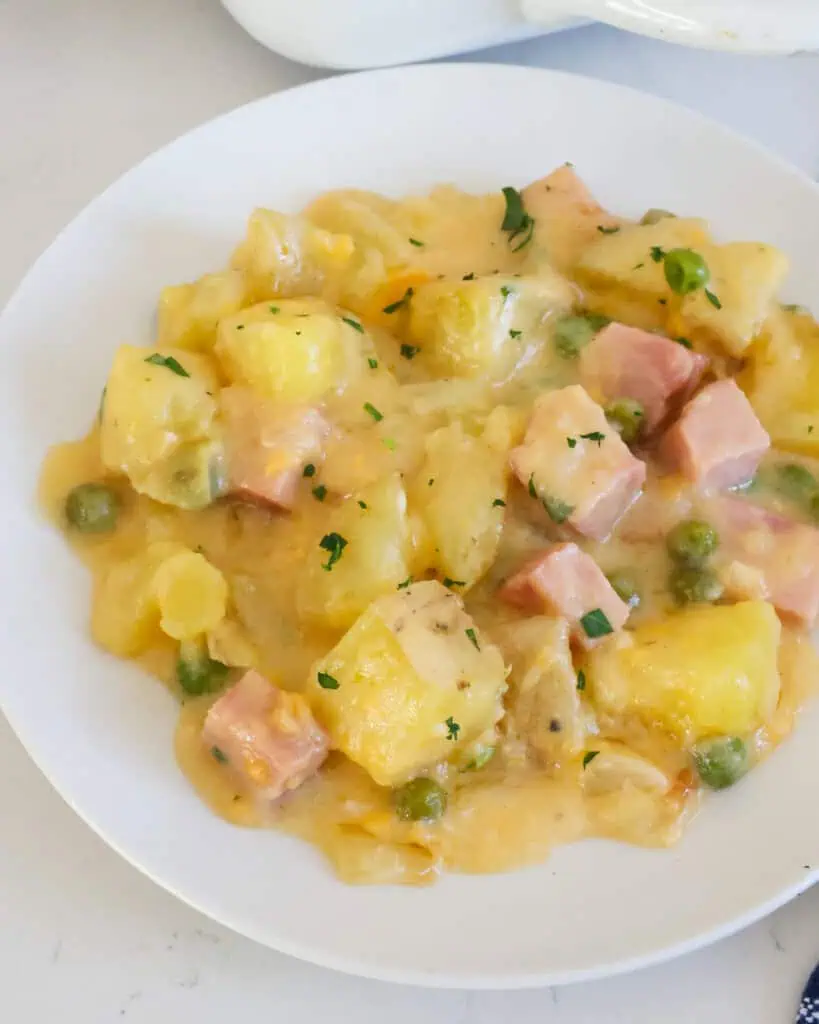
x=566, y=582
x=626, y=362
x=768, y=556
x=268, y=445
x=717, y=442
x=575, y=465
x=267, y=737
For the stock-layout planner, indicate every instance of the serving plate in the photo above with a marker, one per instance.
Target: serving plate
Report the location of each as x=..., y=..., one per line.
x=102, y=732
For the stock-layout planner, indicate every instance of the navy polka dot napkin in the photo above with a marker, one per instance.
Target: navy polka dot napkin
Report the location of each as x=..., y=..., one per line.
x=809, y=1006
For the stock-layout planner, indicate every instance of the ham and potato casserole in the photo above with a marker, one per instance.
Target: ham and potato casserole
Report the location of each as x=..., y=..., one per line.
x=462, y=526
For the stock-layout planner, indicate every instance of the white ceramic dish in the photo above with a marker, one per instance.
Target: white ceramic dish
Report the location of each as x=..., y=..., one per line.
x=102, y=732
x=375, y=33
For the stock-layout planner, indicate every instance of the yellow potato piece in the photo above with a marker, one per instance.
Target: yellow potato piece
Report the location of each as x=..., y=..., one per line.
x=189, y=314
x=703, y=671
x=191, y=595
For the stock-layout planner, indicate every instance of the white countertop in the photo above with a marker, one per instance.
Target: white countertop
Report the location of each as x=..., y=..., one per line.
x=87, y=88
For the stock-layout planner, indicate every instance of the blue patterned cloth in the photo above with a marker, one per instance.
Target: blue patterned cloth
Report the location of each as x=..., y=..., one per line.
x=809, y=1006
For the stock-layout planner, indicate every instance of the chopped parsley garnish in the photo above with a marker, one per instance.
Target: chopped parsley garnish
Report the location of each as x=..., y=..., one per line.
x=309, y=470
x=473, y=638
x=169, y=363
x=498, y=503
x=393, y=307
x=404, y=583
x=506, y=292
x=334, y=544
x=515, y=334
x=638, y=266
x=326, y=681
x=589, y=756
x=571, y=442
x=684, y=342
x=363, y=504
x=371, y=409
x=516, y=221
x=468, y=277
x=607, y=231
x=373, y=363
x=415, y=241
x=240, y=327
x=581, y=680
x=274, y=309
x=595, y=436
x=320, y=492
x=431, y=481
x=409, y=351
x=532, y=489
x=453, y=583
x=657, y=253
x=452, y=728
x=595, y=623
x=219, y=755
x=389, y=442
x=713, y=299
x=558, y=511
x=353, y=323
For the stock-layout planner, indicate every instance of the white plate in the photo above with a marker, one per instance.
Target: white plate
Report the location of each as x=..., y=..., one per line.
x=102, y=732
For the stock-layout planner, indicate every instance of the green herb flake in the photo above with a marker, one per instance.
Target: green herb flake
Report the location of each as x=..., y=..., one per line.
x=416, y=242
x=515, y=334
x=393, y=307
x=571, y=442
x=468, y=277
x=453, y=583
x=505, y=292
x=409, y=351
x=595, y=436
x=473, y=639
x=558, y=511
x=713, y=299
x=657, y=253
x=320, y=492
x=404, y=583
x=326, y=681
x=169, y=363
x=595, y=623
x=581, y=680
x=363, y=504
x=389, y=442
x=810, y=429
x=309, y=470
x=452, y=728
x=334, y=544
x=240, y=327
x=218, y=755
x=353, y=323
x=371, y=409
x=274, y=309
x=607, y=231
x=498, y=503
x=638, y=266
x=431, y=481
x=589, y=756
x=373, y=363
x=684, y=342
x=531, y=488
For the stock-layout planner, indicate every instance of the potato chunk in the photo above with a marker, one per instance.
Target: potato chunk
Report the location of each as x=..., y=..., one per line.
x=481, y=328
x=407, y=686
x=189, y=314
x=294, y=350
x=158, y=425
x=371, y=533
x=700, y=672
x=457, y=491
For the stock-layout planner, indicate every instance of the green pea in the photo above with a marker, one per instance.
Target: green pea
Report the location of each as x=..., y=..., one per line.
x=625, y=587
x=692, y=542
x=197, y=672
x=481, y=756
x=420, y=799
x=627, y=417
x=691, y=585
x=721, y=762
x=92, y=508
x=685, y=271
x=572, y=333
x=655, y=215
x=796, y=482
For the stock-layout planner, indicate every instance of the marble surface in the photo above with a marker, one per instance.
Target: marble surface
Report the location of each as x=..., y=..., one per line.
x=87, y=88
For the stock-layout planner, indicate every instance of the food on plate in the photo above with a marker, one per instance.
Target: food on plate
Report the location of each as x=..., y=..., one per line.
x=462, y=526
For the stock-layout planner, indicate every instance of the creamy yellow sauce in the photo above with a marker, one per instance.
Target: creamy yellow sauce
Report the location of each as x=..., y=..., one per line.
x=516, y=809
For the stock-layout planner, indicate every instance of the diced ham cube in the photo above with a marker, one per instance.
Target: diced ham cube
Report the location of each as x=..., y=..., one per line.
x=766, y=555
x=626, y=362
x=575, y=465
x=566, y=582
x=267, y=737
x=268, y=445
x=718, y=441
